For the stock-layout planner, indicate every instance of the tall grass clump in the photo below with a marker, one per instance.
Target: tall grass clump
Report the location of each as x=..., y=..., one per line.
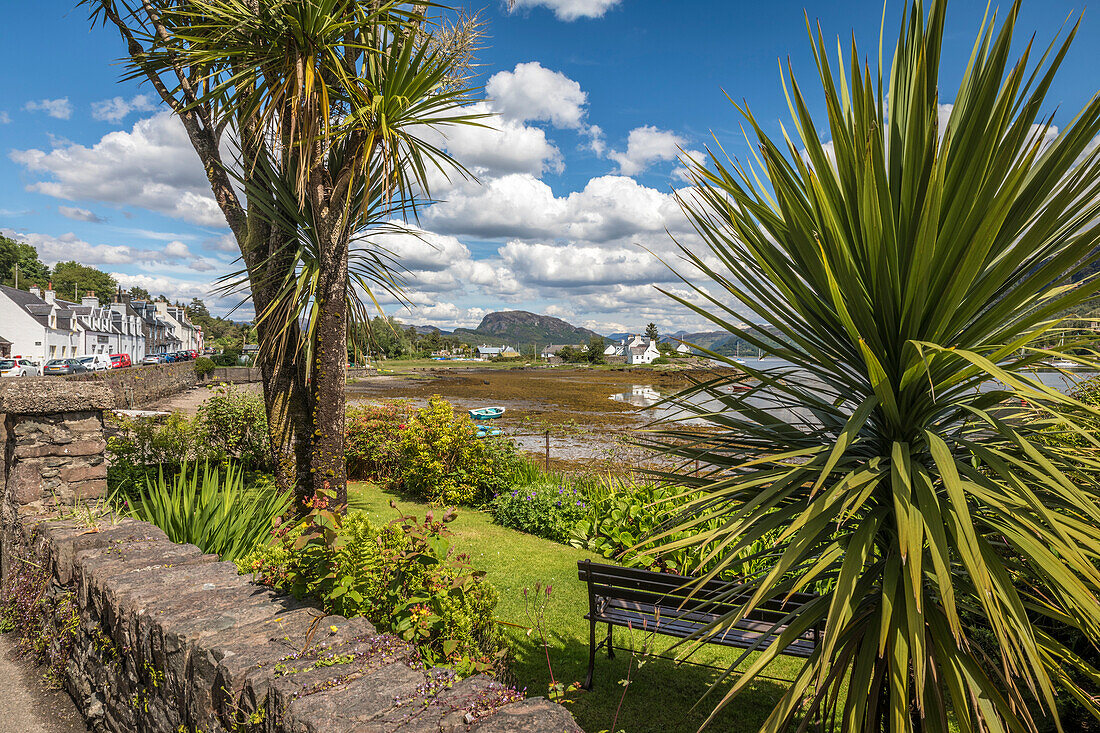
x=910, y=272
x=211, y=509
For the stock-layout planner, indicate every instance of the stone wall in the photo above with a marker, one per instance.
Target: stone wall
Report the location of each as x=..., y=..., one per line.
x=152, y=636
x=149, y=635
x=138, y=386
x=237, y=375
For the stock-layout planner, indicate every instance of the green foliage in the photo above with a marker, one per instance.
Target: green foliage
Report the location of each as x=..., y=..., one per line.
x=595, y=350
x=72, y=280
x=651, y=332
x=228, y=357
x=543, y=509
x=402, y=577
x=204, y=367
x=907, y=273
x=138, y=446
x=31, y=270
x=444, y=460
x=372, y=441
x=211, y=509
x=232, y=425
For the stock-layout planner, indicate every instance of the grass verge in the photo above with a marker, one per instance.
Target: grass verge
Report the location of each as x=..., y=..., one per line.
x=662, y=696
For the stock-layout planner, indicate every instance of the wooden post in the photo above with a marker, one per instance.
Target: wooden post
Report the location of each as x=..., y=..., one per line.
x=547, y=451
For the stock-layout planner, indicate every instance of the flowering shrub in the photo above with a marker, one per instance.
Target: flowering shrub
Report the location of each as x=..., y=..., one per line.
x=547, y=510
x=372, y=439
x=443, y=460
x=396, y=576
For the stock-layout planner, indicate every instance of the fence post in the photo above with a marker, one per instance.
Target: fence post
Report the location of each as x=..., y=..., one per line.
x=548, y=451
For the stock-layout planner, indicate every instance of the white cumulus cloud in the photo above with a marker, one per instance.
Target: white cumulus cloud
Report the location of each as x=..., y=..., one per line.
x=152, y=166
x=116, y=108
x=57, y=108
x=533, y=92
x=570, y=9
x=645, y=146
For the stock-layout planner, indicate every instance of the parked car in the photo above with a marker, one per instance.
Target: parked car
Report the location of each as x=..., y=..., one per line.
x=57, y=367
x=95, y=362
x=119, y=361
x=153, y=359
x=18, y=367
x=194, y=353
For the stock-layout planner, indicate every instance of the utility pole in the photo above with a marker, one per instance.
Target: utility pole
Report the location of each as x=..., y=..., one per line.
x=16, y=271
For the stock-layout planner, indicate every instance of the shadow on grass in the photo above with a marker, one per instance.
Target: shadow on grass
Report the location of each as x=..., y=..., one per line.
x=662, y=695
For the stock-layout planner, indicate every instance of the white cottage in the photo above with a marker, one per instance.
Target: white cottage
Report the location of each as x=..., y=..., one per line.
x=37, y=324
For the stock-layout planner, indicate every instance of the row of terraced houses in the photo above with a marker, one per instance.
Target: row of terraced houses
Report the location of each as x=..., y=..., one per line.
x=37, y=324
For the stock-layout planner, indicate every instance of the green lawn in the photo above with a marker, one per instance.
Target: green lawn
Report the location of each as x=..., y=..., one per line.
x=661, y=696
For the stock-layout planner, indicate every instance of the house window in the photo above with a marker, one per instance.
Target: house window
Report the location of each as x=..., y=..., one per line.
x=53, y=351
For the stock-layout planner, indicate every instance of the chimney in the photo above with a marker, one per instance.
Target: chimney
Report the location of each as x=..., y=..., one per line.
x=35, y=291
x=50, y=296
x=90, y=300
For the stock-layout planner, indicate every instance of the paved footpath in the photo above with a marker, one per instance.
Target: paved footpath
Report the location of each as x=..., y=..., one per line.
x=26, y=704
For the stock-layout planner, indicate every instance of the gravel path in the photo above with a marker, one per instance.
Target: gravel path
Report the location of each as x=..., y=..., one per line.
x=26, y=704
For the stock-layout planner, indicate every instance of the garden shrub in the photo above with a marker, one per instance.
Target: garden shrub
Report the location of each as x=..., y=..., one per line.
x=372, y=439
x=140, y=446
x=227, y=358
x=546, y=509
x=444, y=461
x=401, y=577
x=204, y=367
x=624, y=513
x=232, y=425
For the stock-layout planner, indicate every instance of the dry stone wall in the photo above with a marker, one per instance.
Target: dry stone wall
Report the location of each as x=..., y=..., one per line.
x=138, y=386
x=151, y=636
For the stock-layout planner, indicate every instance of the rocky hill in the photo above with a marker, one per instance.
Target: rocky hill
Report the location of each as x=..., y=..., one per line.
x=523, y=329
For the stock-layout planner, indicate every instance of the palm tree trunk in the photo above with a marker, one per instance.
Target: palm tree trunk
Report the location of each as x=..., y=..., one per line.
x=329, y=375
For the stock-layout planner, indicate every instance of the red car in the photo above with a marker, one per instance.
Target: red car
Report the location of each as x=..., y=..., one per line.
x=194, y=354
x=120, y=360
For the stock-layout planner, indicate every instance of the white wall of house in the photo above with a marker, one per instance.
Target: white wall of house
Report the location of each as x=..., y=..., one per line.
x=646, y=356
x=27, y=336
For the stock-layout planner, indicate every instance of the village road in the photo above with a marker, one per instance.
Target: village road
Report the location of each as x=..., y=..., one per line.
x=26, y=704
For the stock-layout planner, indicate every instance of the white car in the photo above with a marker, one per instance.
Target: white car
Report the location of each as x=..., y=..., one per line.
x=95, y=362
x=18, y=367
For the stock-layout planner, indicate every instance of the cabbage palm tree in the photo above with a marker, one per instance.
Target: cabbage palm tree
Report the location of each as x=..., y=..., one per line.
x=326, y=104
x=908, y=466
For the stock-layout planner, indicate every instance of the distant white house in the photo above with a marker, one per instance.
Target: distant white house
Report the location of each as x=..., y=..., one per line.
x=643, y=354
x=37, y=324
x=682, y=348
x=634, y=349
x=488, y=352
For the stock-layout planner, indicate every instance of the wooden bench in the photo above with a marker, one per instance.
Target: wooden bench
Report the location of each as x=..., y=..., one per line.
x=658, y=603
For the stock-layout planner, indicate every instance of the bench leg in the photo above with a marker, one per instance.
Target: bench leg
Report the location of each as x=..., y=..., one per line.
x=591, y=654
x=610, y=648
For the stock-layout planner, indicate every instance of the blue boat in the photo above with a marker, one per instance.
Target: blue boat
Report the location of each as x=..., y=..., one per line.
x=487, y=413
x=485, y=431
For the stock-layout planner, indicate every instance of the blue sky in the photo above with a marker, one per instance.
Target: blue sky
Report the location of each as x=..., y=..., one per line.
x=594, y=97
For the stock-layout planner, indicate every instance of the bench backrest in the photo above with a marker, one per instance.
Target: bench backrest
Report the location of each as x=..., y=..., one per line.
x=669, y=592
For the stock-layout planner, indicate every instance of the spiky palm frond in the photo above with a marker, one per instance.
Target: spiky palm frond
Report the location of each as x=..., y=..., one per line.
x=908, y=272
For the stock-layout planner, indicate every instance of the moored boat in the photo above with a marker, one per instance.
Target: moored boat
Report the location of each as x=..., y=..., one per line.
x=487, y=413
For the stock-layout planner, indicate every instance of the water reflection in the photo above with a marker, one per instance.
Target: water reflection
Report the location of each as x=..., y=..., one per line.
x=640, y=395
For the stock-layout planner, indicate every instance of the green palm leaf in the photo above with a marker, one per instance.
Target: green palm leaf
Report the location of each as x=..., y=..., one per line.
x=911, y=275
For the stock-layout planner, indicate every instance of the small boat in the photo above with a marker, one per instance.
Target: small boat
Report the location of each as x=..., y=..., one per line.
x=487, y=413
x=1064, y=364
x=484, y=431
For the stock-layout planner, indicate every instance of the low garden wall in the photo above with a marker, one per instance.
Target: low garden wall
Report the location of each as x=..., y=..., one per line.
x=237, y=375
x=149, y=635
x=141, y=385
